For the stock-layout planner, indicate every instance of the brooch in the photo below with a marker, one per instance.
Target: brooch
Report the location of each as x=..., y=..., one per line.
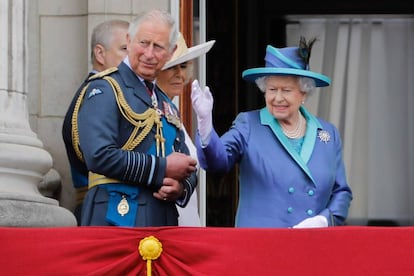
x=324, y=136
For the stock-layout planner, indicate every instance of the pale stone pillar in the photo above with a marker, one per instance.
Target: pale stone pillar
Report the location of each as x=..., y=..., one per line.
x=23, y=160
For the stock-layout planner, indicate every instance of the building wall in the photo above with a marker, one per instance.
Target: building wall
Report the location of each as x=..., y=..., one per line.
x=59, y=59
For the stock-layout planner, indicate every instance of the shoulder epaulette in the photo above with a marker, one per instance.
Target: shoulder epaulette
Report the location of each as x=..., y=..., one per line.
x=103, y=73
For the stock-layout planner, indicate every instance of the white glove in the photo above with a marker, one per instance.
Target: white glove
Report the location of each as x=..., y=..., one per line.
x=313, y=222
x=203, y=106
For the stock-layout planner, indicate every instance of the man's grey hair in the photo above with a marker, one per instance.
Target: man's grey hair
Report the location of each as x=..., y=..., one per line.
x=103, y=34
x=159, y=17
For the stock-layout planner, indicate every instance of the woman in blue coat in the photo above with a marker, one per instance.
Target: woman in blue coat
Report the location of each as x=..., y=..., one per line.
x=291, y=170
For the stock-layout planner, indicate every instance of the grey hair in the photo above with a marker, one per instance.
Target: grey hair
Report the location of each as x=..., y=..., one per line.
x=306, y=84
x=103, y=34
x=157, y=16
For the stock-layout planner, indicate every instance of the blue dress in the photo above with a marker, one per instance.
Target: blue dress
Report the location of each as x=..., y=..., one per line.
x=280, y=187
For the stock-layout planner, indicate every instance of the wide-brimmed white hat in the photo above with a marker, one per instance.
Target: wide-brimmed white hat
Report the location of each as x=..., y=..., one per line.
x=183, y=53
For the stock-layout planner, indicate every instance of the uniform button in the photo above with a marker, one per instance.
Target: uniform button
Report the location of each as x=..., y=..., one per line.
x=309, y=212
x=291, y=190
x=311, y=192
x=290, y=209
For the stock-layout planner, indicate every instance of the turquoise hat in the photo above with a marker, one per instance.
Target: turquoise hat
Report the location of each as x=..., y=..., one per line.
x=286, y=61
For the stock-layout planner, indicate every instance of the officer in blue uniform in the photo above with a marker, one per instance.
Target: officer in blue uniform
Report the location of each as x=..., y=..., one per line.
x=139, y=166
x=108, y=49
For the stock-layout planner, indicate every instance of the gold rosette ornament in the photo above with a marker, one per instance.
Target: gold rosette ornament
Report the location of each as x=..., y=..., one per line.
x=150, y=249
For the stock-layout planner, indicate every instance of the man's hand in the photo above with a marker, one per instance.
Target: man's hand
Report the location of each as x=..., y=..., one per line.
x=202, y=101
x=170, y=190
x=180, y=166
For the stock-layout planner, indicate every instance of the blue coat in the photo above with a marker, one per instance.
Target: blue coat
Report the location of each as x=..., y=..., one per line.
x=103, y=130
x=78, y=169
x=278, y=186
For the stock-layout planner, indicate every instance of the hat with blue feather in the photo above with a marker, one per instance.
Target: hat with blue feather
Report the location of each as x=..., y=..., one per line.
x=290, y=61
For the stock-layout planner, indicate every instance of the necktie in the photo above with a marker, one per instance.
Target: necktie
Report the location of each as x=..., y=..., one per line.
x=149, y=85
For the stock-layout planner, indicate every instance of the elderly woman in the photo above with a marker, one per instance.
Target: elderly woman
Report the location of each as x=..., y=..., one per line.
x=291, y=170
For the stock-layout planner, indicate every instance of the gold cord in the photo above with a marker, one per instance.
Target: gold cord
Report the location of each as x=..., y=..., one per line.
x=144, y=121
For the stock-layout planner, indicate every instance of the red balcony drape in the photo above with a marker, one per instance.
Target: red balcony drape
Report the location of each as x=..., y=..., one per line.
x=347, y=250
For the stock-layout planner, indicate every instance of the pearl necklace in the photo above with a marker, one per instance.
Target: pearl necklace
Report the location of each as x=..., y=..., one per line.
x=297, y=132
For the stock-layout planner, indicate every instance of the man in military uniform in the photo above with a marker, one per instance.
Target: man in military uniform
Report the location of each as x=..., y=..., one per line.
x=108, y=49
x=138, y=163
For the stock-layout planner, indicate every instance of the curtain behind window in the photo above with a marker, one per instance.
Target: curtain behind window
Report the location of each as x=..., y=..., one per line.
x=370, y=60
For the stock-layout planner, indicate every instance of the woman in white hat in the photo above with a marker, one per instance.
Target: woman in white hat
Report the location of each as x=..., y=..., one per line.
x=291, y=171
x=175, y=74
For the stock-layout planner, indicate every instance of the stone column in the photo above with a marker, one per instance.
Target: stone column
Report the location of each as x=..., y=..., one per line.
x=23, y=160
